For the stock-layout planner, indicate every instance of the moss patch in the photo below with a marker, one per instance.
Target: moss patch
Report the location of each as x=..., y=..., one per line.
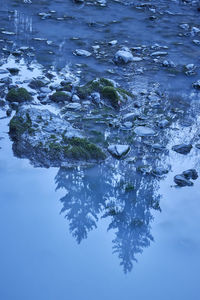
x=37, y=84
x=112, y=95
x=79, y=148
x=59, y=97
x=18, y=126
x=93, y=86
x=18, y=95
x=106, y=89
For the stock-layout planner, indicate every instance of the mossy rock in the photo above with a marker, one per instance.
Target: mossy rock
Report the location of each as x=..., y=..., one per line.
x=18, y=95
x=37, y=84
x=106, y=89
x=67, y=87
x=18, y=126
x=79, y=148
x=93, y=86
x=60, y=97
x=112, y=95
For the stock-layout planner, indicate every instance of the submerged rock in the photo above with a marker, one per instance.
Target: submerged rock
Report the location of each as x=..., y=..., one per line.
x=124, y=56
x=196, y=84
x=144, y=131
x=182, y=148
x=81, y=52
x=118, y=150
x=105, y=89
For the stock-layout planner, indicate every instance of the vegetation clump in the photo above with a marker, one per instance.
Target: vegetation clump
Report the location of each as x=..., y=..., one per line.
x=107, y=90
x=80, y=148
x=18, y=95
x=37, y=84
x=60, y=97
x=112, y=95
x=18, y=126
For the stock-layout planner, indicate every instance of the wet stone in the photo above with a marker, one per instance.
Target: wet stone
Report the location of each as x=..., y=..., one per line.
x=118, y=150
x=144, y=131
x=182, y=148
x=180, y=180
x=190, y=174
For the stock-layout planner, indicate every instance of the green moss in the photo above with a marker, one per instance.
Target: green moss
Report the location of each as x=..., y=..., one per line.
x=36, y=84
x=18, y=126
x=106, y=82
x=107, y=90
x=53, y=136
x=129, y=187
x=67, y=87
x=112, y=95
x=124, y=93
x=18, y=95
x=93, y=86
x=79, y=148
x=59, y=97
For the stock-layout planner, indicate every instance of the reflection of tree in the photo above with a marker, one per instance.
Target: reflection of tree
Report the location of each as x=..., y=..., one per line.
x=83, y=200
x=117, y=193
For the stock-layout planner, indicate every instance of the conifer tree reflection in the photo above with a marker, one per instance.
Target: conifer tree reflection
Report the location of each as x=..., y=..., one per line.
x=117, y=193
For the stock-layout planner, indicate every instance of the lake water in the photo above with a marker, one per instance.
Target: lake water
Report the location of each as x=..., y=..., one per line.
x=74, y=233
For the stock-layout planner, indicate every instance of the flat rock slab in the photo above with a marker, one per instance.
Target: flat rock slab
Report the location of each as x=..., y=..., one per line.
x=144, y=131
x=118, y=150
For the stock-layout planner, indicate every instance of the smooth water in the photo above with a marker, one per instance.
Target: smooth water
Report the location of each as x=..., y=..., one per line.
x=74, y=233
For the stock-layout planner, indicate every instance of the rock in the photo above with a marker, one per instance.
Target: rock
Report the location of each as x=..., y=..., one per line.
x=164, y=123
x=190, y=69
x=180, y=180
x=196, y=84
x=60, y=96
x=190, y=174
x=74, y=106
x=9, y=112
x=184, y=26
x=3, y=71
x=75, y=98
x=128, y=125
x=158, y=147
x=130, y=116
x=182, y=148
x=112, y=43
x=96, y=97
x=118, y=150
x=45, y=90
x=48, y=140
x=196, y=42
x=123, y=56
x=159, y=53
x=18, y=95
x=169, y=64
x=160, y=171
x=13, y=71
x=144, y=131
x=194, y=30
x=81, y=52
